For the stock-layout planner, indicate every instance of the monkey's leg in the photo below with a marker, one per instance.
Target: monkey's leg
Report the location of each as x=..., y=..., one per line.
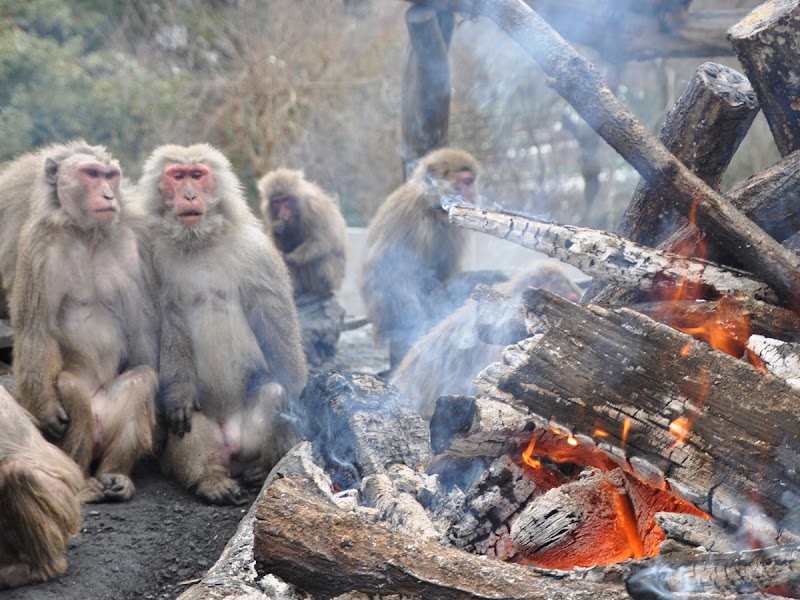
x=39, y=515
x=265, y=434
x=198, y=461
x=125, y=413
x=78, y=439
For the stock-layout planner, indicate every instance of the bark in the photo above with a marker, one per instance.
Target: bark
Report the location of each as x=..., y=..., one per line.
x=579, y=83
x=631, y=378
x=303, y=538
x=426, y=83
x=609, y=256
x=766, y=42
x=703, y=130
x=696, y=531
x=781, y=358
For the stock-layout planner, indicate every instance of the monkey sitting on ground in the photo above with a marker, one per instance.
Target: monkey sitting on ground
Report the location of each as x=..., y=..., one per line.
x=40, y=494
x=84, y=321
x=231, y=356
x=448, y=358
x=411, y=247
x=307, y=226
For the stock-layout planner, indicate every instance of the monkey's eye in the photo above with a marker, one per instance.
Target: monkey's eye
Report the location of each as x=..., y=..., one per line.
x=177, y=176
x=112, y=175
x=197, y=175
x=468, y=180
x=93, y=173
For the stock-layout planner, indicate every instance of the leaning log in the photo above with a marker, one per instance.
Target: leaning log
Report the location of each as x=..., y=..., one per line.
x=426, y=83
x=766, y=43
x=716, y=427
x=703, y=130
x=577, y=80
x=609, y=256
x=303, y=538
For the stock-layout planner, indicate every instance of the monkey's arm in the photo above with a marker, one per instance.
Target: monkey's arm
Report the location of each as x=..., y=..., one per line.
x=37, y=361
x=311, y=249
x=177, y=373
x=142, y=326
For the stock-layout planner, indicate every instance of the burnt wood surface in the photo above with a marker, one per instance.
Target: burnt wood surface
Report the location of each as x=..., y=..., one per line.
x=303, y=538
x=766, y=42
x=594, y=369
x=609, y=256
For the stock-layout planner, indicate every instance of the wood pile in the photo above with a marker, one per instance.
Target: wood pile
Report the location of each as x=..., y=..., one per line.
x=643, y=444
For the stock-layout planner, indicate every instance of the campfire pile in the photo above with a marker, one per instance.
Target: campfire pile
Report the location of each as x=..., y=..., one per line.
x=645, y=443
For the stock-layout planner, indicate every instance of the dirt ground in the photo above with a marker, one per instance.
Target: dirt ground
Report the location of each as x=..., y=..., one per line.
x=164, y=540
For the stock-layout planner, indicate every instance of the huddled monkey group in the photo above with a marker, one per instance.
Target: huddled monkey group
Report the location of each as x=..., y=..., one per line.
x=159, y=317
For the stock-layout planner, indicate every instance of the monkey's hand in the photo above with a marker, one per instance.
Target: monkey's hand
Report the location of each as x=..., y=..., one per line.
x=179, y=417
x=56, y=422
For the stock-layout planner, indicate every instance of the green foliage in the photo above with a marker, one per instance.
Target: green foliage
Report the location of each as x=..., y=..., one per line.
x=56, y=83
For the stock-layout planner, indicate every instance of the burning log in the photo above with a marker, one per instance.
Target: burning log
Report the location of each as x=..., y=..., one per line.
x=361, y=425
x=303, y=538
x=608, y=256
x=400, y=509
x=574, y=78
x=766, y=42
x=695, y=531
x=782, y=359
x=713, y=425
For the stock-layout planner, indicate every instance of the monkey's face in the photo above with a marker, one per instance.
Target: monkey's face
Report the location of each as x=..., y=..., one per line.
x=464, y=184
x=186, y=190
x=87, y=188
x=283, y=209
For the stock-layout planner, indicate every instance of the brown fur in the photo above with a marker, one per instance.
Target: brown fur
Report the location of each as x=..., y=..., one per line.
x=411, y=248
x=314, y=244
x=40, y=493
x=449, y=357
x=232, y=358
x=84, y=320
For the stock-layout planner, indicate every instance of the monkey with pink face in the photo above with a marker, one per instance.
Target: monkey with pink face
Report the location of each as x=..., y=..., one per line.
x=231, y=353
x=85, y=347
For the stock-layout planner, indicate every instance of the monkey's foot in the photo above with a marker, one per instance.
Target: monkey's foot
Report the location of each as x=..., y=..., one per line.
x=253, y=475
x=220, y=489
x=110, y=487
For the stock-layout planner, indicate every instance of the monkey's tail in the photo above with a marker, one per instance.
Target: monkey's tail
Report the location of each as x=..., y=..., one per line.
x=40, y=514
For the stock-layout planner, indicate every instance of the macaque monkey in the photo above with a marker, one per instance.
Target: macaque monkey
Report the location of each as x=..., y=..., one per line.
x=84, y=321
x=231, y=355
x=17, y=184
x=448, y=358
x=40, y=495
x=412, y=248
x=308, y=227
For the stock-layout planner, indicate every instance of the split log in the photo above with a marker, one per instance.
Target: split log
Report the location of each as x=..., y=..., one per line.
x=608, y=256
x=399, y=509
x=574, y=78
x=782, y=359
x=763, y=319
x=634, y=379
x=426, y=83
x=361, y=425
x=301, y=537
x=766, y=43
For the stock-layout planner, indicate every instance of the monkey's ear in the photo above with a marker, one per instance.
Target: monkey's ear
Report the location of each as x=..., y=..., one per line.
x=50, y=171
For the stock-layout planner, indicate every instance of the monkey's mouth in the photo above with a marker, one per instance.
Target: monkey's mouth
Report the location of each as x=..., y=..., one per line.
x=191, y=217
x=105, y=214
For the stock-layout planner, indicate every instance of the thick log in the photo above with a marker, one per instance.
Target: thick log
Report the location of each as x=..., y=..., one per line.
x=580, y=84
x=609, y=256
x=301, y=537
x=361, y=425
x=703, y=130
x=763, y=319
x=782, y=359
x=426, y=83
x=695, y=531
x=766, y=42
x=632, y=378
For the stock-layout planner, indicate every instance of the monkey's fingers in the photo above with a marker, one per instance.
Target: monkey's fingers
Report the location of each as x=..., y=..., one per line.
x=180, y=420
x=116, y=487
x=56, y=425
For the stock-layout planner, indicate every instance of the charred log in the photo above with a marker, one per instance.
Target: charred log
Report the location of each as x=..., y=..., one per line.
x=609, y=256
x=303, y=538
x=766, y=42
